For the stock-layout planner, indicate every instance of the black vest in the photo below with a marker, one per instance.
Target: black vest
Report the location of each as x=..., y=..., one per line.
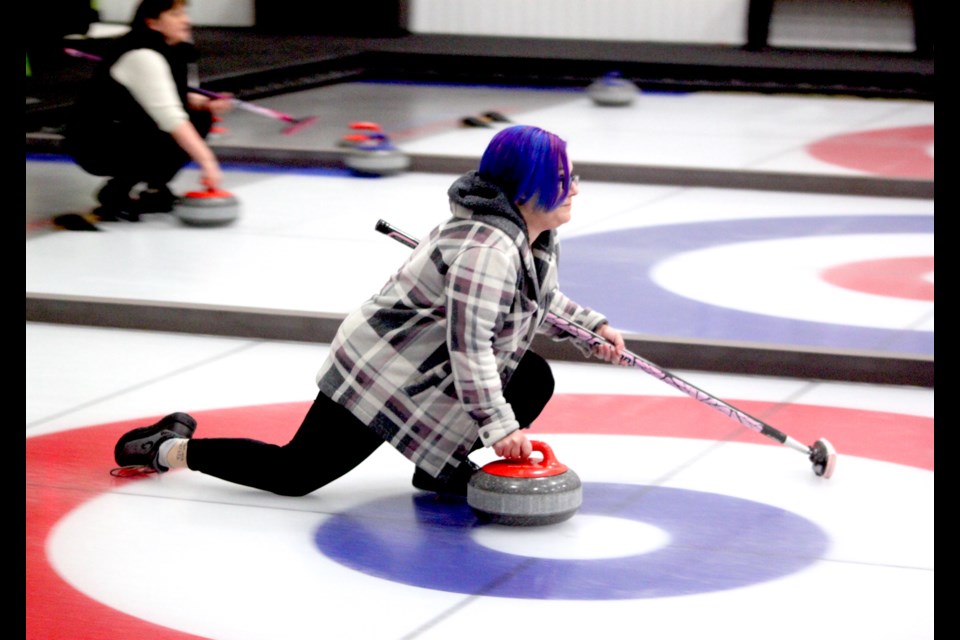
x=105, y=103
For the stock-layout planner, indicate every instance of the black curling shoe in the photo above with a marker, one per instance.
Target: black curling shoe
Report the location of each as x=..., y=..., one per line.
x=455, y=486
x=156, y=200
x=139, y=449
x=116, y=203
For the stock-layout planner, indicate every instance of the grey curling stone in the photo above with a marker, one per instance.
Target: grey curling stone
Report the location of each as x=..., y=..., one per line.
x=210, y=208
x=612, y=90
x=525, y=493
x=376, y=156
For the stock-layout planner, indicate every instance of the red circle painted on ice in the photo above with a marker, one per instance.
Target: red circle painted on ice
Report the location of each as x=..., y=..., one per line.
x=81, y=459
x=904, y=152
x=909, y=277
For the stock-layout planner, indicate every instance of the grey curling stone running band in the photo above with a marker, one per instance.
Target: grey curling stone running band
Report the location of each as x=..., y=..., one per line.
x=525, y=493
x=375, y=156
x=210, y=208
x=612, y=90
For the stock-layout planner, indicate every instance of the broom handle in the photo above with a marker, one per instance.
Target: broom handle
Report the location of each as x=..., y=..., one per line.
x=629, y=358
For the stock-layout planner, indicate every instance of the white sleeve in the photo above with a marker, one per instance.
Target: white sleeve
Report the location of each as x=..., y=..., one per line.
x=147, y=76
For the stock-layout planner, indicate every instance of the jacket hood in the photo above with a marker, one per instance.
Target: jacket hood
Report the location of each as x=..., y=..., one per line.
x=484, y=199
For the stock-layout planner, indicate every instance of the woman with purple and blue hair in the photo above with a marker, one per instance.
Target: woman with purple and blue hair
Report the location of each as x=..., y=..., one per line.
x=438, y=363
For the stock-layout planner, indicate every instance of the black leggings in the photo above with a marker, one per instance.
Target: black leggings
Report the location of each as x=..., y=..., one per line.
x=331, y=441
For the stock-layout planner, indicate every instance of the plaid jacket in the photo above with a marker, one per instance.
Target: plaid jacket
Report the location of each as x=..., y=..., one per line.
x=424, y=362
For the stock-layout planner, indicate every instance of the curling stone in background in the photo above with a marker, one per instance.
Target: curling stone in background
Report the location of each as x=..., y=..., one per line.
x=217, y=130
x=360, y=133
x=612, y=90
x=209, y=208
x=375, y=156
x=366, y=125
x=524, y=493
x=352, y=140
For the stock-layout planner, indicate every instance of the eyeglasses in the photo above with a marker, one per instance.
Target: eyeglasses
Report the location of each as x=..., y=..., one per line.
x=574, y=181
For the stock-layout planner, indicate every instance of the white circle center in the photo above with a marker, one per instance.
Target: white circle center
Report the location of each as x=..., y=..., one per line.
x=583, y=537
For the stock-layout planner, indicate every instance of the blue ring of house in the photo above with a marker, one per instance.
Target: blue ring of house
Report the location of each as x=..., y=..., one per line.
x=627, y=256
x=717, y=542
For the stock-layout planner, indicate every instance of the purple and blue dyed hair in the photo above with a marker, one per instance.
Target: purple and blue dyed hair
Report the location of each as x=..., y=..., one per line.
x=529, y=164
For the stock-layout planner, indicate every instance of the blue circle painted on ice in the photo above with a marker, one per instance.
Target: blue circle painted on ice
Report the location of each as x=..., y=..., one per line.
x=627, y=257
x=717, y=542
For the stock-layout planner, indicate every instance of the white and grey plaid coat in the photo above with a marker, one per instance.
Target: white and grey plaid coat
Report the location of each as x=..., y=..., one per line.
x=425, y=361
